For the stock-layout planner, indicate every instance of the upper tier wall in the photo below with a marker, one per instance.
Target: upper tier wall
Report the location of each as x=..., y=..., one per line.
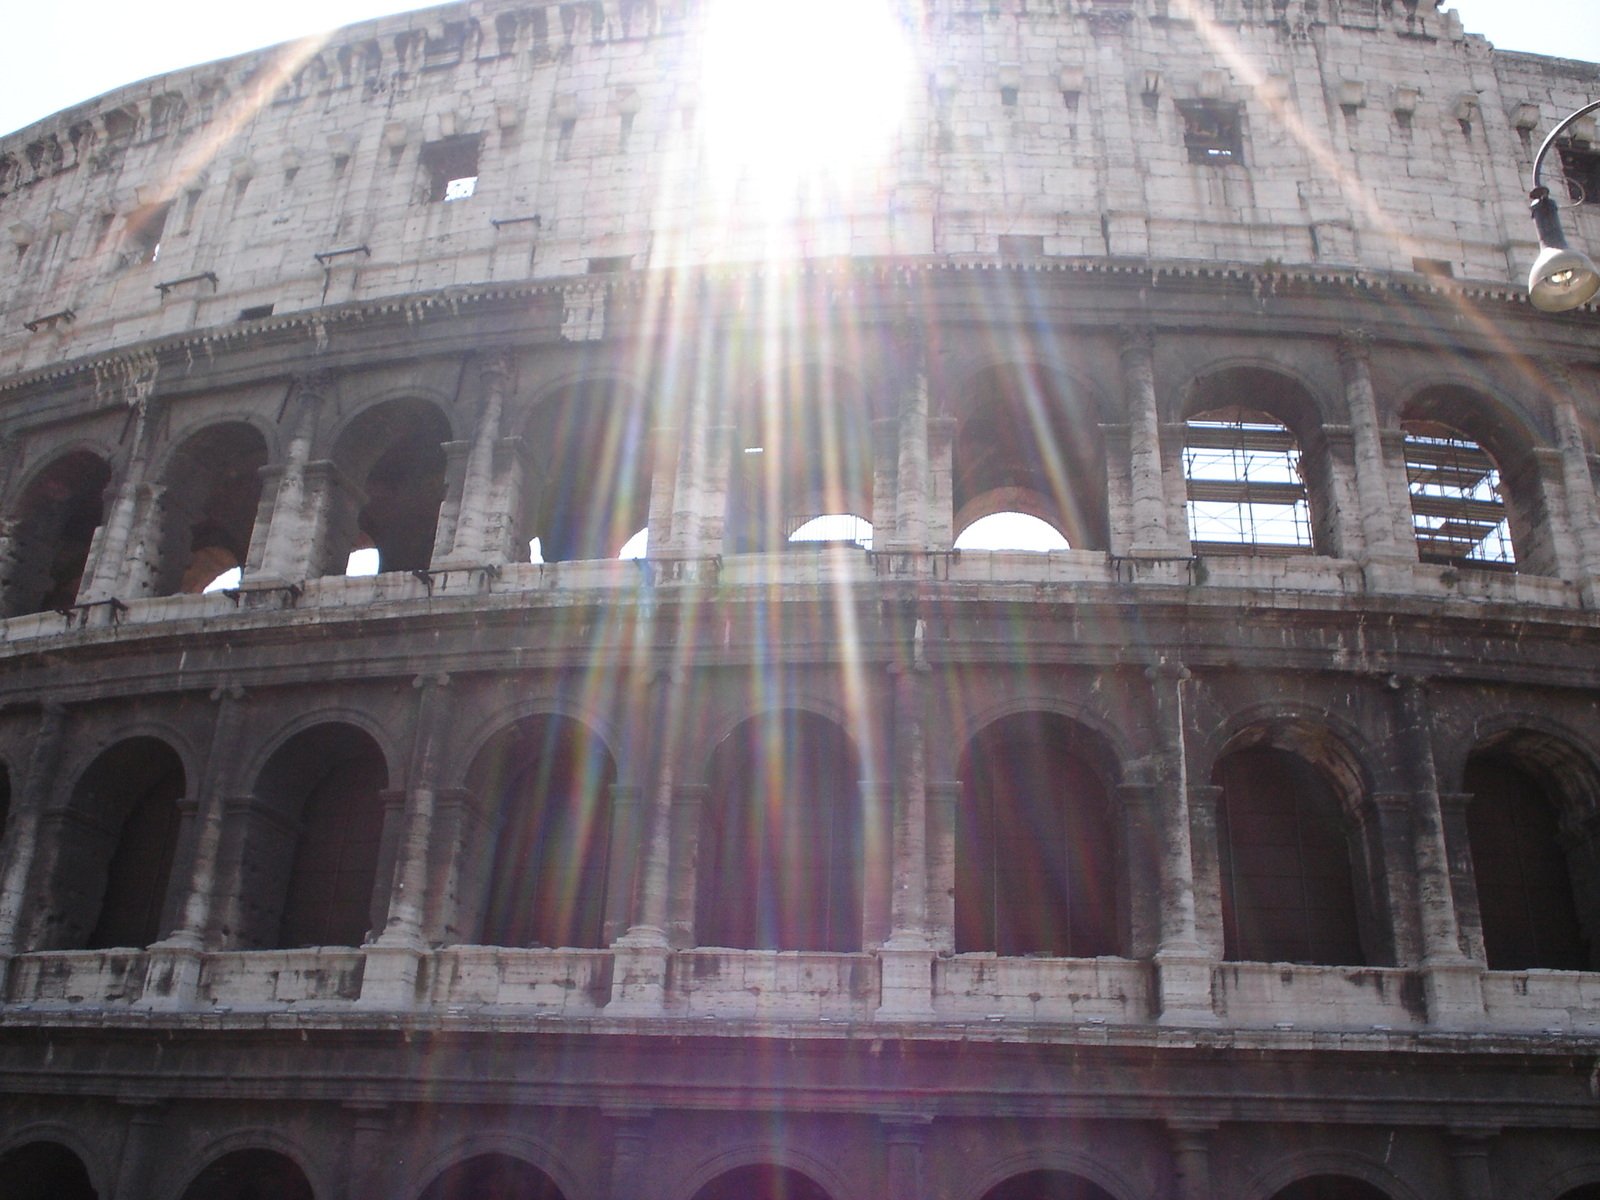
x=1366, y=139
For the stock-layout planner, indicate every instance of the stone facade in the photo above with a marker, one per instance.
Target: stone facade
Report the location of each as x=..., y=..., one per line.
x=1204, y=856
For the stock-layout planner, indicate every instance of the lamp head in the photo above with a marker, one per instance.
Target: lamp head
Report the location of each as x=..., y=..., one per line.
x=1562, y=278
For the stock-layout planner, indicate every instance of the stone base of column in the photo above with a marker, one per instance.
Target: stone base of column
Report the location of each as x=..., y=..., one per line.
x=172, y=975
x=639, y=960
x=907, y=984
x=389, y=980
x=1454, y=993
x=1388, y=573
x=1183, y=989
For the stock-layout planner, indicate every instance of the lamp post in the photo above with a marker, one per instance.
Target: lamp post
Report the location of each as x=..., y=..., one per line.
x=1562, y=278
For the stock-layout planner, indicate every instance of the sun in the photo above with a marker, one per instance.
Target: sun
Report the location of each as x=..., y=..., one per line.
x=799, y=98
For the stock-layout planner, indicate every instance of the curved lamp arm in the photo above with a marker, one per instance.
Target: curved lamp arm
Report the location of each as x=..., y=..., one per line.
x=1562, y=278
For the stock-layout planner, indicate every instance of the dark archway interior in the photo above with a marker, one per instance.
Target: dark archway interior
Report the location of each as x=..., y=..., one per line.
x=395, y=453
x=1047, y=1185
x=330, y=779
x=1036, y=848
x=213, y=489
x=44, y=1171
x=1525, y=896
x=1287, y=888
x=547, y=788
x=594, y=438
x=55, y=525
x=762, y=1182
x=493, y=1177
x=250, y=1175
x=1330, y=1187
x=780, y=864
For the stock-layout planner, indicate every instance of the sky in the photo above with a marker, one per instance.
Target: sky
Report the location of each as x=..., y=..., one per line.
x=73, y=50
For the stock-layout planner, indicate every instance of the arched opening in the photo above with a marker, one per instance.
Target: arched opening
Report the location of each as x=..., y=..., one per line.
x=250, y=1175
x=1011, y=531
x=1047, y=1185
x=802, y=450
x=395, y=451
x=1026, y=445
x=1477, y=499
x=1330, y=1187
x=112, y=866
x=1288, y=893
x=493, y=1177
x=213, y=489
x=1521, y=865
x=1589, y=1191
x=546, y=785
x=763, y=1182
x=52, y=531
x=780, y=861
x=593, y=443
x=311, y=870
x=1037, y=858
x=1457, y=511
x=44, y=1171
x=1246, y=494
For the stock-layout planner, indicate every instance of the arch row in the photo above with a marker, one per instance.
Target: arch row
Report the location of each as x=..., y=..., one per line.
x=355, y=477
x=1042, y=839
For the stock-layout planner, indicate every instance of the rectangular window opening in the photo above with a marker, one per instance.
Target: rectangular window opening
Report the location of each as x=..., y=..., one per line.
x=255, y=312
x=1581, y=167
x=1211, y=131
x=142, y=238
x=452, y=167
x=613, y=264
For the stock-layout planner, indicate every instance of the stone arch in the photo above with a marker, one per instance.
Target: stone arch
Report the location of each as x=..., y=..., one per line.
x=1257, y=462
x=1291, y=1167
x=544, y=785
x=802, y=448
x=1039, y=855
x=541, y=702
x=1459, y=420
x=1055, y=1161
x=694, y=757
x=259, y=1171
x=52, y=523
x=1574, y=1183
x=1106, y=740
x=819, y=1170
x=49, y=1161
x=1535, y=845
x=535, y=1153
x=1324, y=739
x=309, y=874
x=391, y=461
x=341, y=714
x=493, y=1176
x=1031, y=426
x=108, y=866
x=211, y=493
x=1301, y=866
x=591, y=449
x=762, y=849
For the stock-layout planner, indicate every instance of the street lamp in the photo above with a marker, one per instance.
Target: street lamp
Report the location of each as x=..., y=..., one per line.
x=1562, y=277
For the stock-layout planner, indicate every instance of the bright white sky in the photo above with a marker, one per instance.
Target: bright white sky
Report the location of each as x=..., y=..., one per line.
x=65, y=51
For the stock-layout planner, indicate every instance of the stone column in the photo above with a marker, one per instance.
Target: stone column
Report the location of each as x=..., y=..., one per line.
x=175, y=961
x=630, y=1144
x=1469, y=1162
x=133, y=1170
x=665, y=449
x=700, y=501
x=371, y=1150
x=287, y=554
x=639, y=968
x=1452, y=980
x=394, y=960
x=444, y=529
x=885, y=481
x=943, y=798
x=23, y=843
x=904, y=1135
x=473, y=544
x=688, y=800
x=1191, y=1154
x=107, y=570
x=1391, y=844
x=627, y=838
x=941, y=482
x=1151, y=535
x=911, y=463
x=906, y=959
x=1203, y=800
x=1379, y=494
x=1183, y=969
x=1577, y=481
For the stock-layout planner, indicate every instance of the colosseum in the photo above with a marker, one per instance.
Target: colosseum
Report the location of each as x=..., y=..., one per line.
x=965, y=600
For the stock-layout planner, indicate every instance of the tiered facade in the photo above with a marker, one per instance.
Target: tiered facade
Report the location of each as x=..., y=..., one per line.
x=1246, y=843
